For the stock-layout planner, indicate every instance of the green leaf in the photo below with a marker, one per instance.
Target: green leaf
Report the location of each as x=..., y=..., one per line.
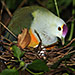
x=17, y=51
x=38, y=65
x=9, y=72
x=72, y=69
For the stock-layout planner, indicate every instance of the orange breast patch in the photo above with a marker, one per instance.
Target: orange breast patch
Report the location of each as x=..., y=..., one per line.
x=34, y=40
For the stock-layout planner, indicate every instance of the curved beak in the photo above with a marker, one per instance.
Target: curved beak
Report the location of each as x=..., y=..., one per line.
x=65, y=30
x=63, y=40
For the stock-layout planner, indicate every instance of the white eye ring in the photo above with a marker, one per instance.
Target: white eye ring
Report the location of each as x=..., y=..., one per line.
x=59, y=28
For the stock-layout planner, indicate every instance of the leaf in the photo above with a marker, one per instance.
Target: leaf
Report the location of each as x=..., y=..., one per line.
x=72, y=69
x=24, y=39
x=17, y=51
x=38, y=65
x=9, y=72
x=65, y=74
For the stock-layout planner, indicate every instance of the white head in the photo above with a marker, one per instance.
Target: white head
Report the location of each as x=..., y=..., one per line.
x=60, y=27
x=48, y=26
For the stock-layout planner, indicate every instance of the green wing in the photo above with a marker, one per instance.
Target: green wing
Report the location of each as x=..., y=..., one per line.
x=22, y=18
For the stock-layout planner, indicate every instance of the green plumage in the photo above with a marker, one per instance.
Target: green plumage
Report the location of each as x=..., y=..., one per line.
x=22, y=18
x=39, y=19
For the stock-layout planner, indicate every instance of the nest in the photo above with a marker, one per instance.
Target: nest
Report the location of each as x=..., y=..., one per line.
x=51, y=56
x=55, y=57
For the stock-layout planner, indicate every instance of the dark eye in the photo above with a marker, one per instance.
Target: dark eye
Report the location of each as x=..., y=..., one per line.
x=59, y=28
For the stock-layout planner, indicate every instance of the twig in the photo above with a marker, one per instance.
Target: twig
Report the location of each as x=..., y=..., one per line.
x=69, y=70
x=39, y=2
x=1, y=11
x=7, y=59
x=70, y=19
x=8, y=30
x=69, y=64
x=72, y=51
x=4, y=58
x=68, y=51
x=4, y=38
x=6, y=8
x=0, y=19
x=22, y=3
x=4, y=43
x=66, y=45
x=53, y=72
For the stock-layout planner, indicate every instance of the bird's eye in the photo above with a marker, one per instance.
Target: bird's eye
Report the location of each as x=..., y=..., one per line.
x=59, y=28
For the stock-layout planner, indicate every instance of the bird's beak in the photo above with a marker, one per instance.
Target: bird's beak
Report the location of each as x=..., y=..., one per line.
x=63, y=40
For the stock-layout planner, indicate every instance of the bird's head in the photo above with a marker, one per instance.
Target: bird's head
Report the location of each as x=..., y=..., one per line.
x=62, y=30
x=49, y=27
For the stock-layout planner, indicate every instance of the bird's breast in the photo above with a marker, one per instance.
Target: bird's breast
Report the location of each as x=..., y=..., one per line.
x=34, y=40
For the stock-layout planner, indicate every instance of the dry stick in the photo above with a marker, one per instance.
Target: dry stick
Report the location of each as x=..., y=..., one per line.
x=2, y=38
x=8, y=30
x=39, y=2
x=0, y=19
x=7, y=59
x=4, y=43
x=6, y=8
x=70, y=19
x=72, y=61
x=72, y=51
x=69, y=70
x=69, y=64
x=22, y=3
x=66, y=45
x=4, y=58
x=53, y=72
x=8, y=11
x=62, y=55
x=1, y=11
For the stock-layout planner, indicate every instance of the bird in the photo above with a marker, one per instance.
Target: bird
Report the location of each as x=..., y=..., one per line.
x=39, y=19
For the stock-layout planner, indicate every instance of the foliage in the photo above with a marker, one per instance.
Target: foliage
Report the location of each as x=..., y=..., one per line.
x=38, y=65
x=9, y=72
x=47, y=3
x=17, y=52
